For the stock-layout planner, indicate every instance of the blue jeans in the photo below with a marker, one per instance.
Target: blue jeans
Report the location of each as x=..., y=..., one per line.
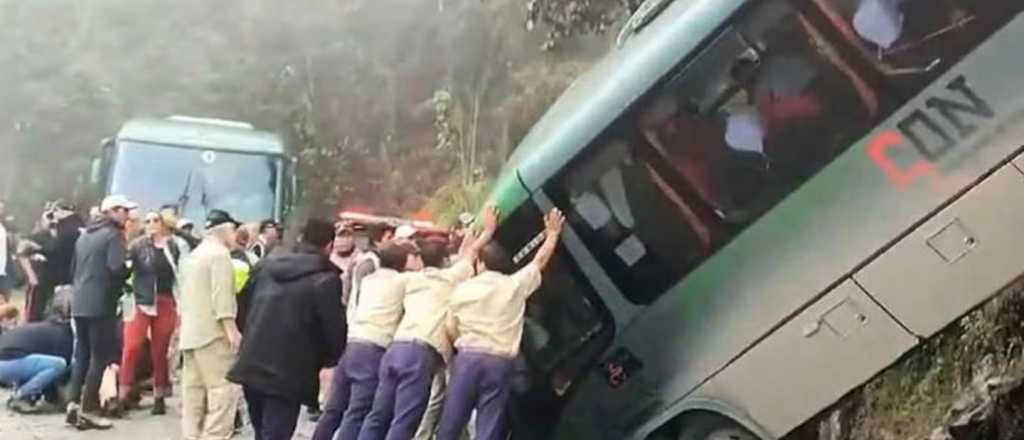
x=32, y=374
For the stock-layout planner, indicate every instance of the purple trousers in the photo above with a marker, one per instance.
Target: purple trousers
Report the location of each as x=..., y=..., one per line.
x=352, y=390
x=482, y=382
x=406, y=374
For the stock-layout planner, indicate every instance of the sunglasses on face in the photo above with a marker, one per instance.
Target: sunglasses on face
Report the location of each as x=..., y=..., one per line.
x=150, y=221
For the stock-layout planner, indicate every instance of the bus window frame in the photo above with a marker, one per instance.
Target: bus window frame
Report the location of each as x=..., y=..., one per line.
x=626, y=129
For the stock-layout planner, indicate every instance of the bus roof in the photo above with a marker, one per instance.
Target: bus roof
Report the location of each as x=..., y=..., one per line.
x=198, y=133
x=601, y=95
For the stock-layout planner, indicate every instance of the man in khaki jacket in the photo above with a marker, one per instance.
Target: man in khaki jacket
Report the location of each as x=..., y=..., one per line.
x=209, y=336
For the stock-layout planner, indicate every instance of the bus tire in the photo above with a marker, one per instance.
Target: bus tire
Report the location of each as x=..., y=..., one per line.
x=711, y=426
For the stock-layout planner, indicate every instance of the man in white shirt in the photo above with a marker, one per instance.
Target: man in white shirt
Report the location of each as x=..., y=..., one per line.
x=372, y=326
x=488, y=316
x=423, y=341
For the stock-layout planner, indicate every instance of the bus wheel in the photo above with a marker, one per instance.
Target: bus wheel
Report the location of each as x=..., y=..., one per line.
x=708, y=426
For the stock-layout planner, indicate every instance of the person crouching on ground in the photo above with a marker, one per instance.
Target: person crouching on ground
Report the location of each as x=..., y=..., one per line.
x=488, y=313
x=34, y=358
x=423, y=340
x=294, y=326
x=209, y=336
x=155, y=258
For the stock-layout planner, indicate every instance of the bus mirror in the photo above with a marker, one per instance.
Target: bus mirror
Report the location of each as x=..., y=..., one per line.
x=96, y=171
x=106, y=143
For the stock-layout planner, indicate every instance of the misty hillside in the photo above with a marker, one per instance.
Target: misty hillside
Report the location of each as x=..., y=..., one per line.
x=390, y=104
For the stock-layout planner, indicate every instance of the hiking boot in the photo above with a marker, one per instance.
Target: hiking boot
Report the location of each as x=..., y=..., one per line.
x=113, y=409
x=92, y=421
x=71, y=417
x=159, y=407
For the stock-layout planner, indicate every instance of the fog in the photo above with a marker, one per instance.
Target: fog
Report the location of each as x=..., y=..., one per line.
x=348, y=82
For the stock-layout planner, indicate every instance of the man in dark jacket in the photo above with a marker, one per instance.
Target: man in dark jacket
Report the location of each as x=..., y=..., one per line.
x=294, y=327
x=99, y=276
x=54, y=248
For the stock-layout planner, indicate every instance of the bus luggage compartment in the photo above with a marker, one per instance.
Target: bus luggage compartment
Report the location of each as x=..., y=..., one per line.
x=955, y=260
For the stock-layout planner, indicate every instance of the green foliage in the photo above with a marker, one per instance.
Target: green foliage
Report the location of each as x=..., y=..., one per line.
x=566, y=19
x=453, y=199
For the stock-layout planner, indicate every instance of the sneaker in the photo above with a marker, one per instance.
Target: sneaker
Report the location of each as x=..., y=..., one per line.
x=92, y=421
x=159, y=407
x=22, y=406
x=43, y=406
x=71, y=417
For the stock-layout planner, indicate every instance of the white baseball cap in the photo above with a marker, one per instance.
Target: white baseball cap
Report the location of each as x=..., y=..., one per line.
x=117, y=201
x=405, y=232
x=184, y=223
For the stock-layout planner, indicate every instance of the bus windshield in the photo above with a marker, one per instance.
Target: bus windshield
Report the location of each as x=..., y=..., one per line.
x=197, y=180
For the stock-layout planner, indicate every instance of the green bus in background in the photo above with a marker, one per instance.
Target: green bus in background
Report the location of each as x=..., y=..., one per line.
x=199, y=164
x=768, y=203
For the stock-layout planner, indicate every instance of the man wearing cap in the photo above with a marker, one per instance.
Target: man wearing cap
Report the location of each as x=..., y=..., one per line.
x=423, y=341
x=209, y=335
x=487, y=314
x=99, y=277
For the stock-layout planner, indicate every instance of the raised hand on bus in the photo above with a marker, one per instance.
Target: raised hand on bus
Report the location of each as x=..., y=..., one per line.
x=554, y=222
x=472, y=243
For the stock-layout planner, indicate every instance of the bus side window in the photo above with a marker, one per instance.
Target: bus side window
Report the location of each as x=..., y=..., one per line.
x=642, y=232
x=912, y=42
x=753, y=143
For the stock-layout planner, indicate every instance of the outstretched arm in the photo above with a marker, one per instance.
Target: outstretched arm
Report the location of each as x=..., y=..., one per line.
x=471, y=243
x=554, y=222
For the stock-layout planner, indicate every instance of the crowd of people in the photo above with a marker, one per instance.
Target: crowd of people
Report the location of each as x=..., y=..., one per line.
x=400, y=335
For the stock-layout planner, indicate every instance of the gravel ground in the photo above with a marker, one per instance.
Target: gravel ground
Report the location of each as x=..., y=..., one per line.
x=138, y=425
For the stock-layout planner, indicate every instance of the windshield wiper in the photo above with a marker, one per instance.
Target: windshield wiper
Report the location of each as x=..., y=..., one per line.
x=184, y=197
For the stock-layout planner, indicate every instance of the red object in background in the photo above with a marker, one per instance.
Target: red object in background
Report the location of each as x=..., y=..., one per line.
x=424, y=228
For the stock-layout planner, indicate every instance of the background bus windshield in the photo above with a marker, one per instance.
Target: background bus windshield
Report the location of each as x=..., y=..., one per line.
x=198, y=180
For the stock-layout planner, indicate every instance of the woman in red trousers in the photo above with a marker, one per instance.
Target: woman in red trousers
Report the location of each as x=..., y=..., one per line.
x=154, y=258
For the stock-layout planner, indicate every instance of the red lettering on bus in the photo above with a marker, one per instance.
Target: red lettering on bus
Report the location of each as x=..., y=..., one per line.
x=899, y=176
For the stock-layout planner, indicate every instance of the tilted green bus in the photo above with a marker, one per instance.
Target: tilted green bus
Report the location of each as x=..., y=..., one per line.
x=199, y=164
x=768, y=202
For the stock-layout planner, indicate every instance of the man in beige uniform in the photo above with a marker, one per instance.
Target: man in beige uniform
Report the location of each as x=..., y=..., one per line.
x=423, y=342
x=371, y=328
x=488, y=313
x=209, y=336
